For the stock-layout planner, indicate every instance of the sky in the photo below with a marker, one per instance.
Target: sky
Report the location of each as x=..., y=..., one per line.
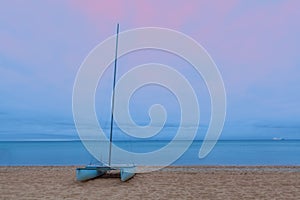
x=255, y=45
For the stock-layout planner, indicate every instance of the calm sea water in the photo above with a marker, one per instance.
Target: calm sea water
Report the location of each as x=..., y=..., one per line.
x=286, y=152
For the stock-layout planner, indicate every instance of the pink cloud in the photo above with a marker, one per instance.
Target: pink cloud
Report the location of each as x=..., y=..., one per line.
x=248, y=40
x=251, y=45
x=105, y=10
x=170, y=14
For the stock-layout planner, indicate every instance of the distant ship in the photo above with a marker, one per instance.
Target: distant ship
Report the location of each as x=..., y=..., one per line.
x=277, y=139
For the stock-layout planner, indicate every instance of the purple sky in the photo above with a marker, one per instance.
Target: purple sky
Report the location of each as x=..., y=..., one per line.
x=255, y=45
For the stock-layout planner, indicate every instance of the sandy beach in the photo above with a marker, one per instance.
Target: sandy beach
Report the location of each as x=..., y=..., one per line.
x=169, y=183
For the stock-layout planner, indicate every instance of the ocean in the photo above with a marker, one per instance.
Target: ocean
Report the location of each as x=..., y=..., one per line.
x=226, y=152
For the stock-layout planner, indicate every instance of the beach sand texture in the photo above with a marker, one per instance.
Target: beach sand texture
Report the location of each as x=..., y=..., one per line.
x=170, y=183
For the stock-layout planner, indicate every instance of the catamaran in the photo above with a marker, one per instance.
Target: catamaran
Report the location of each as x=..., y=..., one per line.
x=94, y=171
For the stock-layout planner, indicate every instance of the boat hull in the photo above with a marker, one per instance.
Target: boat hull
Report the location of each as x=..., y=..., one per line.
x=87, y=173
x=127, y=173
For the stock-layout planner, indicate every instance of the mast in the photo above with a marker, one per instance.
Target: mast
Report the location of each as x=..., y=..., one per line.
x=113, y=98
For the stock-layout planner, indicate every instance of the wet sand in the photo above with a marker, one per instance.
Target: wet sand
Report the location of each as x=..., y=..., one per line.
x=169, y=183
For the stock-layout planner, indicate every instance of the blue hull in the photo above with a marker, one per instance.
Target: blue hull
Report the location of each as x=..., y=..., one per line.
x=91, y=172
x=87, y=173
x=127, y=173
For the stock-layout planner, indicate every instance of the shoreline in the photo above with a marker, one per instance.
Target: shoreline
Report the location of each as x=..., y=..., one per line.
x=175, y=182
